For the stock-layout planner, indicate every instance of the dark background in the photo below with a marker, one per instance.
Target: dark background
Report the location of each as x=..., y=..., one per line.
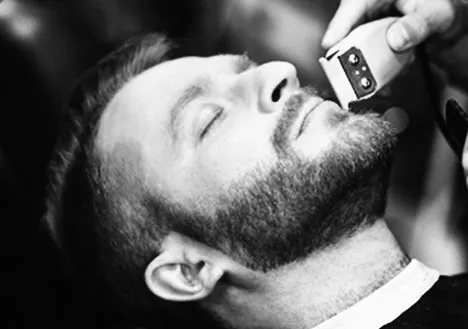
x=44, y=47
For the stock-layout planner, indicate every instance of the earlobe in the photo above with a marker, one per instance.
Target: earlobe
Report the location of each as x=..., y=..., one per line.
x=172, y=277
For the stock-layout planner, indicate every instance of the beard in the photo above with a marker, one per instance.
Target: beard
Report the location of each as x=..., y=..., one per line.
x=300, y=206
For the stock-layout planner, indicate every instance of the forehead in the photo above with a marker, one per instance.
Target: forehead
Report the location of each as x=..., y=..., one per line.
x=144, y=102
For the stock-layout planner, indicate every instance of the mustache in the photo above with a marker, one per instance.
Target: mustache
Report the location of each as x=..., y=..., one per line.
x=288, y=116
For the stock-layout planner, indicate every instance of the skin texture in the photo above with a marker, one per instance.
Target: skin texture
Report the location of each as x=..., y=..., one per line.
x=183, y=163
x=224, y=143
x=421, y=19
x=279, y=185
x=443, y=22
x=230, y=150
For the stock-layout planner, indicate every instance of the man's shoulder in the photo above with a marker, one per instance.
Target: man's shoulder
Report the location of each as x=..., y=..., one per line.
x=445, y=305
x=450, y=294
x=457, y=284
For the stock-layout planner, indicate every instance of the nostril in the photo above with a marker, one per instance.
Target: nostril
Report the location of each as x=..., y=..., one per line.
x=276, y=95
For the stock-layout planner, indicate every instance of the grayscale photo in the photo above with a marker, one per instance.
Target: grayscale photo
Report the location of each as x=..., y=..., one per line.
x=234, y=164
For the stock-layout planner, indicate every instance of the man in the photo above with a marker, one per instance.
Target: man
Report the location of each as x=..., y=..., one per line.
x=219, y=191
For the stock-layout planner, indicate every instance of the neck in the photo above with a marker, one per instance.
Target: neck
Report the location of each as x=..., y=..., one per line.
x=306, y=293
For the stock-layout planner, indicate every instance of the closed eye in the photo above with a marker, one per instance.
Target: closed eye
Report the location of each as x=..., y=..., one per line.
x=211, y=122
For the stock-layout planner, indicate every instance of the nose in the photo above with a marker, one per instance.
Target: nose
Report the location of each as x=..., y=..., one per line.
x=277, y=81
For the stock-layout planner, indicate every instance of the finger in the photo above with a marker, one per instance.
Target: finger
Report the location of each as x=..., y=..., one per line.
x=422, y=18
x=348, y=15
x=409, y=31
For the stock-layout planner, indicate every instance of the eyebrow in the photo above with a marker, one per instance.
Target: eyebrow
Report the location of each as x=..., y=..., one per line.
x=199, y=88
x=188, y=95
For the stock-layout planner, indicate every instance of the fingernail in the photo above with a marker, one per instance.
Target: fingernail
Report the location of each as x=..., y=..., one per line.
x=397, y=38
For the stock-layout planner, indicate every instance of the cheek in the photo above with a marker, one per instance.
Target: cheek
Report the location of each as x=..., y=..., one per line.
x=238, y=153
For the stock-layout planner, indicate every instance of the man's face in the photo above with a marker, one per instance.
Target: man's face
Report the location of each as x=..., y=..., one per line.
x=246, y=160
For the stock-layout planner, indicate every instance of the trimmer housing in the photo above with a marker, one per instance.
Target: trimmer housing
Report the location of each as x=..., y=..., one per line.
x=363, y=63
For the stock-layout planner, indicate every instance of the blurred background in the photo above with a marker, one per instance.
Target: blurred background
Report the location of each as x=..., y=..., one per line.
x=45, y=45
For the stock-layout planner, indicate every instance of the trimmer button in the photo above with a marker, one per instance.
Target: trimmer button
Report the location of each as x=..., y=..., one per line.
x=365, y=83
x=353, y=59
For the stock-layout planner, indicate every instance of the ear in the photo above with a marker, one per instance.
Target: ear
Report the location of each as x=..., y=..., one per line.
x=184, y=270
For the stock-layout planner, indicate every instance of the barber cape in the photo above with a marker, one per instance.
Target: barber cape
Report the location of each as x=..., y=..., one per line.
x=417, y=298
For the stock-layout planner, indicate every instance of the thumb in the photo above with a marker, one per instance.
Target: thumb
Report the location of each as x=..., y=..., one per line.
x=408, y=32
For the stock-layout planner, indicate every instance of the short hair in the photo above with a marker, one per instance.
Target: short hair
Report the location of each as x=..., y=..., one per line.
x=106, y=239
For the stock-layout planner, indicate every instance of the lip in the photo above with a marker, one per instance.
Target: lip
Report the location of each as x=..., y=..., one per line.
x=309, y=107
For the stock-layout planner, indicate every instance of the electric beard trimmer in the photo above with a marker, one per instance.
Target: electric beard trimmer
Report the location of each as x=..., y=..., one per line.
x=362, y=64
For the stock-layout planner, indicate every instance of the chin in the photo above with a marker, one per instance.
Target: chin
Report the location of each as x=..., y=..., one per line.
x=365, y=142
x=360, y=141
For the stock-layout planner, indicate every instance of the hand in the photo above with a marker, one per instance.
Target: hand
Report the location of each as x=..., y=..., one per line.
x=421, y=19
